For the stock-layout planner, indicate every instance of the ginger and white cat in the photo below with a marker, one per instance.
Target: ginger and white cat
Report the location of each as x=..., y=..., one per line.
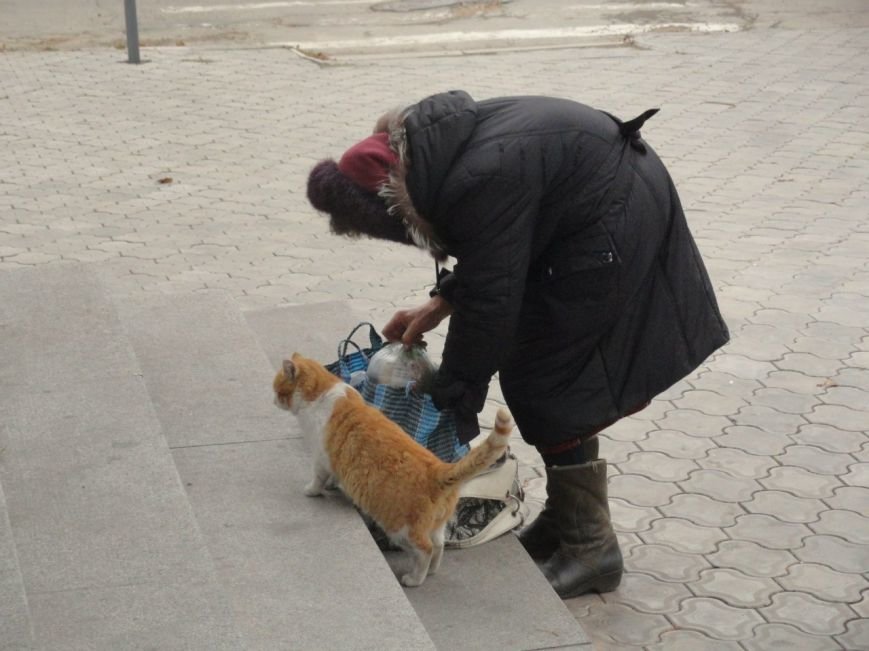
x=404, y=487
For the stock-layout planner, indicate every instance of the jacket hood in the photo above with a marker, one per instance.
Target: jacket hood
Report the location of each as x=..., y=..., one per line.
x=432, y=132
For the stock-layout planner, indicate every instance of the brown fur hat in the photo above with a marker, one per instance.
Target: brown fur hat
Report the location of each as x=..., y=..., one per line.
x=348, y=191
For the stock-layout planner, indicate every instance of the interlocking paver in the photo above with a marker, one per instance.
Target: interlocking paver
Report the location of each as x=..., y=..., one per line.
x=784, y=400
x=621, y=624
x=647, y=594
x=822, y=347
x=772, y=281
x=785, y=636
x=628, y=541
x=691, y=641
x=851, y=526
x=768, y=531
x=683, y=535
x=848, y=310
x=725, y=384
x=857, y=475
x=809, y=364
x=800, y=482
x=785, y=506
x=782, y=319
x=676, y=444
x=824, y=582
x=862, y=607
x=709, y=402
x=742, y=367
x=615, y=451
x=655, y=411
x=854, y=498
x=630, y=429
x=832, y=331
x=630, y=518
x=796, y=381
x=716, y=619
x=720, y=485
x=735, y=588
x=641, y=491
x=830, y=438
x=693, y=422
x=754, y=440
x=737, y=463
x=752, y=559
x=30, y=258
x=581, y=605
x=666, y=563
x=762, y=343
x=816, y=460
x=769, y=420
x=675, y=392
x=703, y=510
x=836, y=552
x=840, y=417
x=734, y=309
x=807, y=613
x=657, y=466
x=856, y=636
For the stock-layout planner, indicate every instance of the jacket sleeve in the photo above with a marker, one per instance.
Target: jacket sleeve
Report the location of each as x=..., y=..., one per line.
x=489, y=227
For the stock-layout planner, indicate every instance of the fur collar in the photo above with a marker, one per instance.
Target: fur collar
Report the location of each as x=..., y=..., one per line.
x=395, y=192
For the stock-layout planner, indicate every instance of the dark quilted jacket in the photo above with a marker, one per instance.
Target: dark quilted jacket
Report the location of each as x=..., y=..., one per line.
x=545, y=195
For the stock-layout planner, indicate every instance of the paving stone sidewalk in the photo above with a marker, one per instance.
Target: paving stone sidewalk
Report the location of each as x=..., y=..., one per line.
x=741, y=496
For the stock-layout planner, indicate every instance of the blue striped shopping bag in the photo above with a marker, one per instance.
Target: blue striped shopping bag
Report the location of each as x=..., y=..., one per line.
x=414, y=412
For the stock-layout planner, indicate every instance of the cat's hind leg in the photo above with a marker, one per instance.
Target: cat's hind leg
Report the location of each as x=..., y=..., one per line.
x=322, y=474
x=420, y=547
x=437, y=543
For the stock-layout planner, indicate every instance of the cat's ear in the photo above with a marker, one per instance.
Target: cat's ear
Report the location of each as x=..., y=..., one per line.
x=289, y=369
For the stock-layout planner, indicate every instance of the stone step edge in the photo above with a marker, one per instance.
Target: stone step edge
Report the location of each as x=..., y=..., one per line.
x=219, y=318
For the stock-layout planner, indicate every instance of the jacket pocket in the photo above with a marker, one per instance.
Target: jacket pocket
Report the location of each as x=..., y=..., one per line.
x=577, y=281
x=575, y=254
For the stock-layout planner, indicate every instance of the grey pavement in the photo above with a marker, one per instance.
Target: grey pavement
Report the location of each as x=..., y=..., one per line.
x=435, y=25
x=740, y=495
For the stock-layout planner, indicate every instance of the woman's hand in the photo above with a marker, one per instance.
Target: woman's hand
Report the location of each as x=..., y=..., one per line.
x=409, y=325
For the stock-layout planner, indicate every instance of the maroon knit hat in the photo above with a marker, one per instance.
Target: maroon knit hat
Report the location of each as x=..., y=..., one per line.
x=367, y=163
x=347, y=190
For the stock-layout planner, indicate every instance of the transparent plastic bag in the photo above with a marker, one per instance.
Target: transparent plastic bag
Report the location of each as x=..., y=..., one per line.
x=396, y=365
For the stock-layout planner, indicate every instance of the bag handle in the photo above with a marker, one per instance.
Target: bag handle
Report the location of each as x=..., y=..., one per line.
x=375, y=339
x=342, y=354
x=376, y=342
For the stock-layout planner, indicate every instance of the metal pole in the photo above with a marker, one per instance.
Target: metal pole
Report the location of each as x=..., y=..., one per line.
x=132, y=31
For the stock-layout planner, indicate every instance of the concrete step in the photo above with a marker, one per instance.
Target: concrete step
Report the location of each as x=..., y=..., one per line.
x=299, y=573
x=16, y=629
x=485, y=598
x=109, y=554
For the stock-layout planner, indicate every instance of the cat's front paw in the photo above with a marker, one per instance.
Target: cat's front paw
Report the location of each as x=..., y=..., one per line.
x=313, y=489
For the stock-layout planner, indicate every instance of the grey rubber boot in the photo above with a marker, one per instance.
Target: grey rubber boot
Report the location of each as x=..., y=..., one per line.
x=588, y=558
x=541, y=539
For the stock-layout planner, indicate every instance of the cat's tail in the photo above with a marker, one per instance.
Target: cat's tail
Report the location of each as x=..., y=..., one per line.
x=483, y=455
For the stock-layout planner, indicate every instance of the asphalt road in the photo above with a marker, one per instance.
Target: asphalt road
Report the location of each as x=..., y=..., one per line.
x=361, y=26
